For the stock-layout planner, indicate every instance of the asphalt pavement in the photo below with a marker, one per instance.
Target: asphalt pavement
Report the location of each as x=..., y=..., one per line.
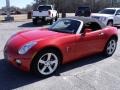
x=91, y=73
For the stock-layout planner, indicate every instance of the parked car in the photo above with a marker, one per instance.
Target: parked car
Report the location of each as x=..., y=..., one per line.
x=3, y=13
x=15, y=12
x=44, y=13
x=68, y=39
x=11, y=12
x=83, y=11
x=108, y=16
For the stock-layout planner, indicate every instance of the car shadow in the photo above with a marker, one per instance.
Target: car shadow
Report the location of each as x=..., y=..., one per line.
x=82, y=62
x=11, y=78
x=30, y=24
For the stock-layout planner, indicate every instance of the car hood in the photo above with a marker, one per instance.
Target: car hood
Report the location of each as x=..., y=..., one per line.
x=101, y=15
x=40, y=34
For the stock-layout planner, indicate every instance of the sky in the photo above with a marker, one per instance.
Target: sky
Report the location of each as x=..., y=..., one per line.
x=18, y=3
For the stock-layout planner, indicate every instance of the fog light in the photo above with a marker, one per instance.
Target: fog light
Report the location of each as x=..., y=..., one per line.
x=18, y=62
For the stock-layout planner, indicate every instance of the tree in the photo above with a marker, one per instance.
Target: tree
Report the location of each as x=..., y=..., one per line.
x=28, y=7
x=71, y=5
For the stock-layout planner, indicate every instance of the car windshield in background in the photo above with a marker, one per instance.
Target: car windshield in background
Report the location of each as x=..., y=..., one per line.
x=107, y=11
x=65, y=26
x=83, y=11
x=83, y=8
x=44, y=8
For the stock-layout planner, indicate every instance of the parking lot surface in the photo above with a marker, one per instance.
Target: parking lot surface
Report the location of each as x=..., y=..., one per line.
x=91, y=73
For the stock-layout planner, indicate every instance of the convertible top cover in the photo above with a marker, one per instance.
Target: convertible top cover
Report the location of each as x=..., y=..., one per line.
x=87, y=20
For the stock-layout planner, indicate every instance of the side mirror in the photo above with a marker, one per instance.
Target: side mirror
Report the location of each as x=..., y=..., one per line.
x=87, y=30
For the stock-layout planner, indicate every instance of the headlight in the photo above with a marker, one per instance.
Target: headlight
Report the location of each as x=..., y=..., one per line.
x=24, y=49
x=103, y=18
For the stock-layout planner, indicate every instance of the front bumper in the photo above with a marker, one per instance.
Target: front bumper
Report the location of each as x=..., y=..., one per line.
x=104, y=22
x=98, y=18
x=24, y=62
x=42, y=17
x=12, y=57
x=11, y=52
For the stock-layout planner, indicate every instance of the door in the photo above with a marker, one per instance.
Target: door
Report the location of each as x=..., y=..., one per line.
x=90, y=42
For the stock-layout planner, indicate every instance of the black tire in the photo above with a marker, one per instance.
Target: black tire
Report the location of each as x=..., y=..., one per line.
x=51, y=21
x=36, y=69
x=35, y=21
x=107, y=51
x=110, y=23
x=56, y=18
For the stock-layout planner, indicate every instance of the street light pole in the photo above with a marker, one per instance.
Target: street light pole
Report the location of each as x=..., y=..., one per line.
x=8, y=18
x=8, y=8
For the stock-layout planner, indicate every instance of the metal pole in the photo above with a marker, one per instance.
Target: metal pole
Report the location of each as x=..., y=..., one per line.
x=8, y=8
x=8, y=18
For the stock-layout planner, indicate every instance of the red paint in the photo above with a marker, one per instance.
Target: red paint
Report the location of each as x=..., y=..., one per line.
x=72, y=46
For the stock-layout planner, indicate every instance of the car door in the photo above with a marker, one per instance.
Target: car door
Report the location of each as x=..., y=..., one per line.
x=90, y=42
x=117, y=17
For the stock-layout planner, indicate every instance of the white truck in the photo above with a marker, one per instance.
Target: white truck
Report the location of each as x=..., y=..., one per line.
x=44, y=13
x=108, y=16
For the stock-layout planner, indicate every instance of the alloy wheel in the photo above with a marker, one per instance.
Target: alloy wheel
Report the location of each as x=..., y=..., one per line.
x=111, y=47
x=47, y=63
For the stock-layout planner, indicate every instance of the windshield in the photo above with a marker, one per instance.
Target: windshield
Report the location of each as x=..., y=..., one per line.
x=83, y=8
x=108, y=11
x=65, y=26
x=44, y=8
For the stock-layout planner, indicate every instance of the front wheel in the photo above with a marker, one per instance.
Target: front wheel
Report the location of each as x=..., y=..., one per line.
x=46, y=62
x=110, y=23
x=110, y=47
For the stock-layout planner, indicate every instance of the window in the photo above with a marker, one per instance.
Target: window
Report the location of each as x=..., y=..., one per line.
x=118, y=12
x=44, y=8
x=66, y=26
x=107, y=11
x=91, y=25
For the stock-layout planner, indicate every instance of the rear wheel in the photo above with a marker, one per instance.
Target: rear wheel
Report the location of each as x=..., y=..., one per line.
x=51, y=21
x=46, y=62
x=110, y=47
x=35, y=21
x=56, y=18
x=110, y=23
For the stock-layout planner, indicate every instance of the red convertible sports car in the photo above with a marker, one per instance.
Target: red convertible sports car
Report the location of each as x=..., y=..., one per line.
x=68, y=39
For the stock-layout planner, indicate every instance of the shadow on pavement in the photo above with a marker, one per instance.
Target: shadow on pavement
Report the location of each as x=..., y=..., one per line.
x=85, y=61
x=11, y=78
x=30, y=24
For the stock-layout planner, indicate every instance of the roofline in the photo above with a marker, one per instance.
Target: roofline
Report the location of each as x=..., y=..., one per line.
x=83, y=22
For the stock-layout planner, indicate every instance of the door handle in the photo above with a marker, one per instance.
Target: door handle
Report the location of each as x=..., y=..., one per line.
x=101, y=34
